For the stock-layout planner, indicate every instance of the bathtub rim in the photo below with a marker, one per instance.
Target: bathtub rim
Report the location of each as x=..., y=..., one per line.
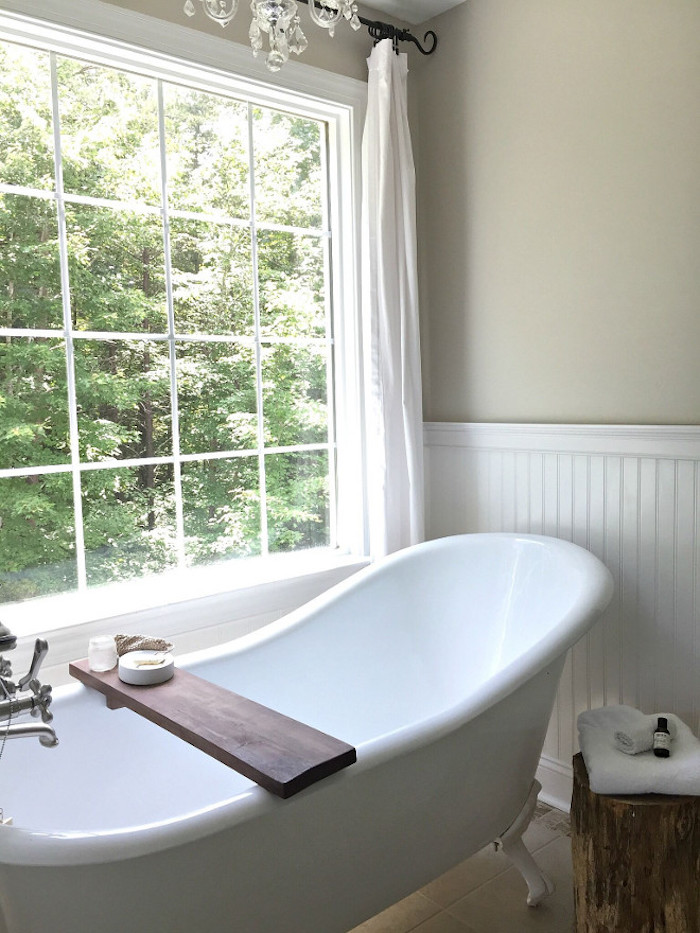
x=23, y=846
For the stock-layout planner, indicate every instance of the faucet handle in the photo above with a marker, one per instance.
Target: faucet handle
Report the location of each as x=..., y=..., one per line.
x=42, y=701
x=41, y=647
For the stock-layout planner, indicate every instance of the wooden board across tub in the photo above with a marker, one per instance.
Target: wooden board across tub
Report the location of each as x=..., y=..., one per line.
x=281, y=754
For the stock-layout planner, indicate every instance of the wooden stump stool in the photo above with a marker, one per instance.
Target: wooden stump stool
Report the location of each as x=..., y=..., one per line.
x=636, y=861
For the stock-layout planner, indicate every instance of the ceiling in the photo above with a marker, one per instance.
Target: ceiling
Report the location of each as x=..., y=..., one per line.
x=413, y=11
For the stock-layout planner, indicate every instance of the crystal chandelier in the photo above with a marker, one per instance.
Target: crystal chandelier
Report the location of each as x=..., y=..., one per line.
x=279, y=21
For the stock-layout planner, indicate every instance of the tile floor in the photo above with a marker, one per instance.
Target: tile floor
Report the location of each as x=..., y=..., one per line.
x=485, y=894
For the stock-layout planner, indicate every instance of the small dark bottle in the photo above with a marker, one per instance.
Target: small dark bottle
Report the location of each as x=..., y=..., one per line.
x=662, y=739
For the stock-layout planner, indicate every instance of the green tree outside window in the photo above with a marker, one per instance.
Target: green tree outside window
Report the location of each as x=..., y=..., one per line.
x=165, y=366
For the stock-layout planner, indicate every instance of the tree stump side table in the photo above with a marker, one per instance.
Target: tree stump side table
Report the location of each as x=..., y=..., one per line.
x=636, y=861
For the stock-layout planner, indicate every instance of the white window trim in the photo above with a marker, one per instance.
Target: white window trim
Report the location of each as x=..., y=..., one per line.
x=225, y=600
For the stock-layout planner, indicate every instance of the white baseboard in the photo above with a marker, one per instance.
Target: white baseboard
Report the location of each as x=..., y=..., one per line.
x=557, y=780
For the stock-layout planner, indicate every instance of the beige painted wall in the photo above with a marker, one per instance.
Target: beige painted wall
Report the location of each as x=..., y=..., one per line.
x=558, y=151
x=346, y=54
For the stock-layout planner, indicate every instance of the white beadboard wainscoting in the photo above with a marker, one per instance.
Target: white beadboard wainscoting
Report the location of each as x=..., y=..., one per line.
x=629, y=494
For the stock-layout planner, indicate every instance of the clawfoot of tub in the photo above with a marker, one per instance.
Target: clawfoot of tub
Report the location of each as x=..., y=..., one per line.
x=538, y=884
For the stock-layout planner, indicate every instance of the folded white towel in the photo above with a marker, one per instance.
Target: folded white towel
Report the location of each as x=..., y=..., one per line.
x=610, y=771
x=638, y=735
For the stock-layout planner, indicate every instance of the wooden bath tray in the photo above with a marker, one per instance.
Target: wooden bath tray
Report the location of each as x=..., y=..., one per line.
x=281, y=754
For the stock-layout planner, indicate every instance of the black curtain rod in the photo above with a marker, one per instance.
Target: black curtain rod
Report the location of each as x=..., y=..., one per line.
x=379, y=31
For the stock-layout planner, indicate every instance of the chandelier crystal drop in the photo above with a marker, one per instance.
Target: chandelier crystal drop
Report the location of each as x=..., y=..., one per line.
x=330, y=12
x=279, y=21
x=221, y=11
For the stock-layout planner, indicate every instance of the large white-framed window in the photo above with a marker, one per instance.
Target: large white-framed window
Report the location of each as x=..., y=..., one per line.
x=186, y=339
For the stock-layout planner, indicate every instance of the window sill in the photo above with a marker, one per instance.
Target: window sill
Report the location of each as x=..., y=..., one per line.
x=198, y=609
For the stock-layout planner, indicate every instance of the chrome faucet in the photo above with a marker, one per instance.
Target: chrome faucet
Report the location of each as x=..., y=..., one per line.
x=36, y=699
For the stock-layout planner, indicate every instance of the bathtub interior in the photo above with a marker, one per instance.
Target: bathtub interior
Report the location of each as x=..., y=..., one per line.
x=395, y=649
x=413, y=641
x=112, y=770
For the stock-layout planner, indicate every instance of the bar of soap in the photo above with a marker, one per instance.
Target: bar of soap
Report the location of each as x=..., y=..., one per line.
x=146, y=667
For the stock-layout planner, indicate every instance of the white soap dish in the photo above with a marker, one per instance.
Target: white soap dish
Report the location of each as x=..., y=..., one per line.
x=146, y=667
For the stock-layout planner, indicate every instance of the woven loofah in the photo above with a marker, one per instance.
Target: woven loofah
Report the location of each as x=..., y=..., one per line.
x=141, y=643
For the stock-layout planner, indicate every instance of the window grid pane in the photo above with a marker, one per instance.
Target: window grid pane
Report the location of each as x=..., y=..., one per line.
x=126, y=464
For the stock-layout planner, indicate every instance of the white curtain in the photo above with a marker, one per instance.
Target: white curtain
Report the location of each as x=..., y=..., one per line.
x=390, y=310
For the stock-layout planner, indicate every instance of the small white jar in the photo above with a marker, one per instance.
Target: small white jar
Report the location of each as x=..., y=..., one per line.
x=102, y=653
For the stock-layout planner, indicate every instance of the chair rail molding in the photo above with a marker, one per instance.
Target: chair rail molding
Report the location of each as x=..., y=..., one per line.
x=631, y=495
x=675, y=441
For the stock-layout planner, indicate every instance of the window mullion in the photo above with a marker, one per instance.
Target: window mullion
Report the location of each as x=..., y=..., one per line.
x=264, y=535
x=68, y=332
x=330, y=377
x=175, y=412
x=28, y=191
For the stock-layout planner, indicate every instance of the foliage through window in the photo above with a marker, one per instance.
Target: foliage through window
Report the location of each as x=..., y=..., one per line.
x=165, y=337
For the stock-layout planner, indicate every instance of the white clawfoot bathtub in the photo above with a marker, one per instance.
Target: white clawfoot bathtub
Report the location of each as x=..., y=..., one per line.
x=440, y=664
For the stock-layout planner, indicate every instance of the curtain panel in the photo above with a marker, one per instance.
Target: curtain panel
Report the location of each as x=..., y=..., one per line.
x=390, y=310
